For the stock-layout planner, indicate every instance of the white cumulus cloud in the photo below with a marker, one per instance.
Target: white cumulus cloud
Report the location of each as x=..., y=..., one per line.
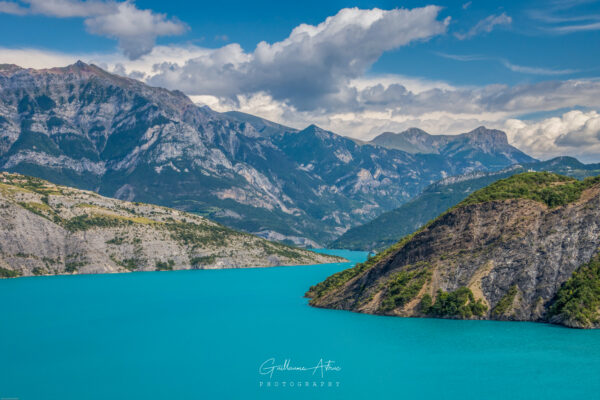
x=575, y=133
x=313, y=64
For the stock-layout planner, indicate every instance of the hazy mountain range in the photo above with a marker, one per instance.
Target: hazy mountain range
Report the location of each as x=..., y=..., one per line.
x=87, y=128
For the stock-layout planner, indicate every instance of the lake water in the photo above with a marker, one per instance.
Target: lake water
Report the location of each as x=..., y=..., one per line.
x=205, y=334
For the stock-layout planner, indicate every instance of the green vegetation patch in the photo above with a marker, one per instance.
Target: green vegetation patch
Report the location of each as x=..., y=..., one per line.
x=8, y=273
x=551, y=189
x=129, y=264
x=196, y=235
x=280, y=250
x=404, y=287
x=457, y=304
x=164, y=265
x=578, y=299
x=199, y=261
x=116, y=240
x=84, y=222
x=41, y=209
x=506, y=302
x=73, y=266
x=336, y=280
x=88, y=221
x=31, y=184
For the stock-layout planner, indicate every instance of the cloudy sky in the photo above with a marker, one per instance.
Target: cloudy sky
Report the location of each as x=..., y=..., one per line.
x=357, y=68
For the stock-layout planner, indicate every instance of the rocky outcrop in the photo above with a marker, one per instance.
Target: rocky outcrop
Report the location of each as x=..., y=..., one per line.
x=496, y=256
x=49, y=229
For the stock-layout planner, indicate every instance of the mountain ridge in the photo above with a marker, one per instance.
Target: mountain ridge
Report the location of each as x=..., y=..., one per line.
x=84, y=127
x=479, y=143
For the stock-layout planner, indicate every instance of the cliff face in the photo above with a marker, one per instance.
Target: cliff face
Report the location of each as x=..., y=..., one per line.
x=499, y=259
x=47, y=229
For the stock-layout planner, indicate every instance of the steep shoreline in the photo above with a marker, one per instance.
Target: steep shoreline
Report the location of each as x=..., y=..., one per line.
x=495, y=256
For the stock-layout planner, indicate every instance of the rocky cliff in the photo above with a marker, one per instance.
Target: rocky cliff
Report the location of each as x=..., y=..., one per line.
x=509, y=251
x=49, y=229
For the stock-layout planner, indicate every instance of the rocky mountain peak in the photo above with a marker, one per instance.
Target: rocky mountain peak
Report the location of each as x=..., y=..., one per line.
x=317, y=131
x=414, y=132
x=9, y=68
x=483, y=135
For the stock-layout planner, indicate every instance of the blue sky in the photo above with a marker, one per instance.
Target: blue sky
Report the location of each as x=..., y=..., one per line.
x=527, y=67
x=528, y=41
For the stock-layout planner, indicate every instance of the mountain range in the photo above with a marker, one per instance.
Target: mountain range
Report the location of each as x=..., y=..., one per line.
x=84, y=127
x=487, y=146
x=391, y=226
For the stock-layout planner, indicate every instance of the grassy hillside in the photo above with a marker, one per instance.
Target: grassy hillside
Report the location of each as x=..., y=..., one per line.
x=545, y=187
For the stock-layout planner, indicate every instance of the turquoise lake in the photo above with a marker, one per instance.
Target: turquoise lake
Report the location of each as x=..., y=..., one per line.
x=204, y=335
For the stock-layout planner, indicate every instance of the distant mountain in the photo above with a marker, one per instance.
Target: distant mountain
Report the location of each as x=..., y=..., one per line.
x=524, y=248
x=83, y=127
x=47, y=229
x=391, y=226
x=487, y=146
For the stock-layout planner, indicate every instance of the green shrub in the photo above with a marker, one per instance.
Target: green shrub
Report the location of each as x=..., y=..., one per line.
x=404, y=287
x=203, y=260
x=198, y=235
x=116, y=240
x=578, y=299
x=505, y=302
x=73, y=266
x=425, y=304
x=164, y=265
x=127, y=263
x=8, y=273
x=457, y=304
